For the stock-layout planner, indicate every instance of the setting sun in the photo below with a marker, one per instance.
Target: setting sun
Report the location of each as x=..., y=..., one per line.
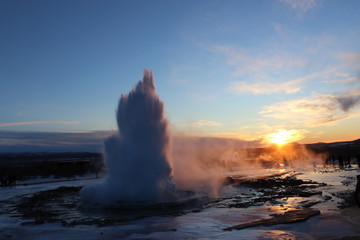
x=282, y=136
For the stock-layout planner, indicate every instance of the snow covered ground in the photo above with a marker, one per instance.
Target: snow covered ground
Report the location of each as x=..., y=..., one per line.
x=333, y=223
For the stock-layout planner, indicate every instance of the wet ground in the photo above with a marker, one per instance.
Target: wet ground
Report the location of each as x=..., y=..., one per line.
x=327, y=195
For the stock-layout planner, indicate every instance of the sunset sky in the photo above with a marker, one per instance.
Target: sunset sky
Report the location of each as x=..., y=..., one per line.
x=239, y=69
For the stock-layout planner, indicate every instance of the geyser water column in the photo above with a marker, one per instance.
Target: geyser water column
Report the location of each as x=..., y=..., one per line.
x=137, y=156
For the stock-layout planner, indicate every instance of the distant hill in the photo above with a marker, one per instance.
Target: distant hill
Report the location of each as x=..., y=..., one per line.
x=336, y=148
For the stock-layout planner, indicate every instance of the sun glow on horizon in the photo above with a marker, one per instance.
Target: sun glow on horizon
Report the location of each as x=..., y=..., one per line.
x=282, y=136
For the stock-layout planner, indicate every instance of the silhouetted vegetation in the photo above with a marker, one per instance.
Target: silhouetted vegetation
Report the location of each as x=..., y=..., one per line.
x=29, y=165
x=339, y=153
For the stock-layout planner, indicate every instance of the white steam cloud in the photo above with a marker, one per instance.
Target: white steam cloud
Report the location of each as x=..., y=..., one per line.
x=137, y=157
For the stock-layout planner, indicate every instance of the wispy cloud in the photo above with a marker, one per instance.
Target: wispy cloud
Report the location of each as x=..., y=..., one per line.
x=253, y=132
x=352, y=59
x=261, y=73
x=202, y=123
x=199, y=124
x=230, y=134
x=348, y=102
x=264, y=87
x=279, y=28
x=289, y=87
x=301, y=5
x=318, y=109
x=245, y=63
x=319, y=43
x=345, y=80
x=35, y=122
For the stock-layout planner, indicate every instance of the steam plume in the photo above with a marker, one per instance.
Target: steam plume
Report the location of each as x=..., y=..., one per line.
x=137, y=157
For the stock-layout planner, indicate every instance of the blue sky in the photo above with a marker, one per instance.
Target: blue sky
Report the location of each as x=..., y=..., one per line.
x=241, y=69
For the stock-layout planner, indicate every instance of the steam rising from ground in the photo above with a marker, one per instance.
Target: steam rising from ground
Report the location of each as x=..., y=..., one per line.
x=201, y=164
x=137, y=157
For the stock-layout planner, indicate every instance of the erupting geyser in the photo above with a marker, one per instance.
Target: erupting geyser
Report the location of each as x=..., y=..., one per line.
x=137, y=157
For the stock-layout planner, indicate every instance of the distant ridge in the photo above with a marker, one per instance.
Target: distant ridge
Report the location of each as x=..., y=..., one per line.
x=343, y=147
x=357, y=141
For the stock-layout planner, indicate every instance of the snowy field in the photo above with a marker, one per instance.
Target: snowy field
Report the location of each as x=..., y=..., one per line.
x=339, y=216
